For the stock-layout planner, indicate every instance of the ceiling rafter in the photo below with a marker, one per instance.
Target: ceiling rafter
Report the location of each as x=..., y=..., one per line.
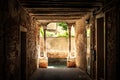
x=47, y=10
x=60, y=9
x=48, y=3
x=57, y=17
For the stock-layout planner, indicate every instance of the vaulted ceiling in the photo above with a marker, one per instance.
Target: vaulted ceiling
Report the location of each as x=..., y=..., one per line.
x=60, y=9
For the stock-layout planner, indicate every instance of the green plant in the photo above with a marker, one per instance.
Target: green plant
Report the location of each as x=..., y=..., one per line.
x=65, y=34
x=63, y=25
x=41, y=32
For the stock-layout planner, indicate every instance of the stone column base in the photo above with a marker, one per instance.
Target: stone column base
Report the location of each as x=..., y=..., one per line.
x=43, y=62
x=71, y=62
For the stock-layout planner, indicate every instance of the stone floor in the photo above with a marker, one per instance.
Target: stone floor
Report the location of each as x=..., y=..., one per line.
x=59, y=74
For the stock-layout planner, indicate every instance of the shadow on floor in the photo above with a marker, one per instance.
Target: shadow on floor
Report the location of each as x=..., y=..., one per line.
x=59, y=74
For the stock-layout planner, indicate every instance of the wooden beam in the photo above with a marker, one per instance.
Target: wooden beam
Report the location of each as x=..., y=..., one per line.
x=64, y=14
x=61, y=4
x=48, y=21
x=45, y=17
x=59, y=9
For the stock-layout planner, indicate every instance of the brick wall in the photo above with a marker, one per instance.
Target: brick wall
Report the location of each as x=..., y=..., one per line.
x=12, y=16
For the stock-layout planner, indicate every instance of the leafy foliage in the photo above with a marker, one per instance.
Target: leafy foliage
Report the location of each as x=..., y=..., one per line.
x=63, y=25
x=41, y=32
x=65, y=34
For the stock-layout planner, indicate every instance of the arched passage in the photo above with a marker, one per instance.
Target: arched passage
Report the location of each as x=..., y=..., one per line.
x=56, y=40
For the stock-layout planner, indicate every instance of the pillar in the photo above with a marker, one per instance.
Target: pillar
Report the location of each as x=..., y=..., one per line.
x=37, y=42
x=43, y=61
x=69, y=30
x=45, y=55
x=80, y=41
x=70, y=60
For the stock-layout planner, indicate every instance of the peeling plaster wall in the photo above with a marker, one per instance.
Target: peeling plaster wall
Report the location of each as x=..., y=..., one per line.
x=12, y=16
x=80, y=39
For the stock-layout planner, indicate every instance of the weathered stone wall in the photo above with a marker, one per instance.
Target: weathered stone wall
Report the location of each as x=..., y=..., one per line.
x=112, y=39
x=93, y=48
x=12, y=16
x=111, y=44
x=59, y=44
x=57, y=54
x=32, y=47
x=57, y=47
x=80, y=39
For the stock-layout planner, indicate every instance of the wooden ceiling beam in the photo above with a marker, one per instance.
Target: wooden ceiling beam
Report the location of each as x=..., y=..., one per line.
x=58, y=14
x=60, y=9
x=57, y=17
x=56, y=20
x=62, y=4
x=47, y=10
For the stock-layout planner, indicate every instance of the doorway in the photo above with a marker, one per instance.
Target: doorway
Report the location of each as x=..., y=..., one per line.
x=88, y=55
x=57, y=44
x=23, y=55
x=100, y=48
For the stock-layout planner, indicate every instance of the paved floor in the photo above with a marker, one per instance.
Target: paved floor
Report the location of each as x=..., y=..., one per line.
x=59, y=74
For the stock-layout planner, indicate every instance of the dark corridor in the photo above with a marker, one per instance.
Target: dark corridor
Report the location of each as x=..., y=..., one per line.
x=20, y=49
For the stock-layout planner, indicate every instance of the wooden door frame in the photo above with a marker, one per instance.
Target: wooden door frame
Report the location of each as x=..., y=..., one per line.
x=22, y=29
x=101, y=15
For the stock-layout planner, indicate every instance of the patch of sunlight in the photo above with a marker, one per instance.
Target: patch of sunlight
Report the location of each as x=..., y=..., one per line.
x=51, y=66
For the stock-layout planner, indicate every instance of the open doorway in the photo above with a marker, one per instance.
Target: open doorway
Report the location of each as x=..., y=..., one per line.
x=100, y=48
x=88, y=55
x=56, y=43
x=23, y=56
